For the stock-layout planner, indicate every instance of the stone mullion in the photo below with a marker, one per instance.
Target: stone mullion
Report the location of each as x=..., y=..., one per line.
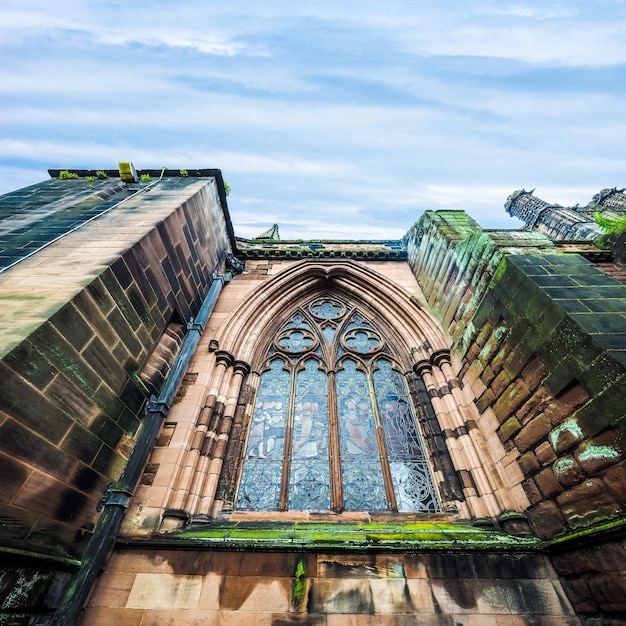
x=459, y=459
x=179, y=486
x=283, y=497
x=215, y=450
x=336, y=483
x=382, y=447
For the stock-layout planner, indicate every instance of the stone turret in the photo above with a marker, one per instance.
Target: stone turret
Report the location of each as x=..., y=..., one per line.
x=612, y=200
x=554, y=220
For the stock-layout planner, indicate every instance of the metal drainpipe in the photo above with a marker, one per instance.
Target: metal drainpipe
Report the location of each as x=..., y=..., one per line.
x=117, y=496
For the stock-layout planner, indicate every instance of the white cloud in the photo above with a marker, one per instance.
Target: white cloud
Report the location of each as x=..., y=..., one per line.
x=323, y=117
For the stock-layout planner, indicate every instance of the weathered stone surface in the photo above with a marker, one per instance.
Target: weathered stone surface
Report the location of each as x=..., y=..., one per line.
x=587, y=504
x=567, y=471
x=565, y=435
x=512, y=398
x=615, y=480
x=510, y=428
x=566, y=404
x=548, y=520
x=528, y=463
x=545, y=453
x=535, y=405
x=532, y=491
x=532, y=433
x=594, y=458
x=548, y=483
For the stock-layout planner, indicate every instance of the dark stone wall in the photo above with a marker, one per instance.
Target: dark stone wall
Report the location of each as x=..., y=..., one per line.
x=71, y=394
x=595, y=580
x=553, y=357
x=542, y=340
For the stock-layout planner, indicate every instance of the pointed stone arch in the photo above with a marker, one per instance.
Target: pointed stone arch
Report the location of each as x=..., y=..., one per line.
x=415, y=331
x=206, y=482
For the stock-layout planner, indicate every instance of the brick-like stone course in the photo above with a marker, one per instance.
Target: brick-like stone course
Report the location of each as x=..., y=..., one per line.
x=554, y=376
x=594, y=579
x=68, y=385
x=307, y=588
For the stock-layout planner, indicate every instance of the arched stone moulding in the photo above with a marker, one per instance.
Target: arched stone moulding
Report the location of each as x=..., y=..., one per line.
x=244, y=338
x=246, y=333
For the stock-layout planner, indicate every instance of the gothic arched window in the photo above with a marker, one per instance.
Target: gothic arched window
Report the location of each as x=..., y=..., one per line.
x=333, y=427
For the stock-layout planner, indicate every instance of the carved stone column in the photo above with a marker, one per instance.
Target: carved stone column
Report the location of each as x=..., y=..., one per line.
x=182, y=479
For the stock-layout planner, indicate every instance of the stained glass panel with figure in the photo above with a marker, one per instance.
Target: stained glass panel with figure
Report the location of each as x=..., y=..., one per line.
x=363, y=487
x=410, y=473
x=260, y=481
x=309, y=482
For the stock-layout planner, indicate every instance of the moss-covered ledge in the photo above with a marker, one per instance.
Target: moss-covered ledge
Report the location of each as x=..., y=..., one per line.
x=609, y=531
x=368, y=537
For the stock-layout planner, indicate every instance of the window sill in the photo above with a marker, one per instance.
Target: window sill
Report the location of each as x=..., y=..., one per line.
x=338, y=533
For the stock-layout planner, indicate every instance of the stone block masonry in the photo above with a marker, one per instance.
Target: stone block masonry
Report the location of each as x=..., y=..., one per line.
x=82, y=320
x=326, y=589
x=541, y=339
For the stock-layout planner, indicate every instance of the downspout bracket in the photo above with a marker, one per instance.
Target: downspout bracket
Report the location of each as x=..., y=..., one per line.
x=116, y=495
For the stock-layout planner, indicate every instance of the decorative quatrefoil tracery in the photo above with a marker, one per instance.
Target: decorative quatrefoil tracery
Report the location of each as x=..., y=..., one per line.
x=362, y=340
x=325, y=309
x=296, y=341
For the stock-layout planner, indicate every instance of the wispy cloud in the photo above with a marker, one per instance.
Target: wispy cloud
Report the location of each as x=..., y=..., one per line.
x=322, y=117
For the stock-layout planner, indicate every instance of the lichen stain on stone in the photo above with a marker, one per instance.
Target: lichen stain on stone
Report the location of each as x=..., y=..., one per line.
x=594, y=453
x=569, y=430
x=22, y=590
x=562, y=466
x=499, y=598
x=499, y=333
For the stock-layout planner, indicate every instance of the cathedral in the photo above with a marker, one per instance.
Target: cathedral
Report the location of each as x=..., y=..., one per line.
x=197, y=428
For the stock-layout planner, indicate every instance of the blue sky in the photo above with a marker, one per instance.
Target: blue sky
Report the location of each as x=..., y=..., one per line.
x=334, y=119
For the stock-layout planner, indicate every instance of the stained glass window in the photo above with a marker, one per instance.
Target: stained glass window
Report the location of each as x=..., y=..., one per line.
x=363, y=486
x=409, y=469
x=309, y=481
x=260, y=482
x=329, y=385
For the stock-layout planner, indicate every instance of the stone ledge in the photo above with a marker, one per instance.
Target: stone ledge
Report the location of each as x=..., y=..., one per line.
x=414, y=537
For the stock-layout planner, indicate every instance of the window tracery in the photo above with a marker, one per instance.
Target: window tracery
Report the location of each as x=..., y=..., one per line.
x=333, y=427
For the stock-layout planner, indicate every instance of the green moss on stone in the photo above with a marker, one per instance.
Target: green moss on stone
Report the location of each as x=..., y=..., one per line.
x=393, y=536
x=299, y=583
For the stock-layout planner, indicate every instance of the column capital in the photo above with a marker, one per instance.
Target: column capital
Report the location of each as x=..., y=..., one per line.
x=223, y=357
x=241, y=367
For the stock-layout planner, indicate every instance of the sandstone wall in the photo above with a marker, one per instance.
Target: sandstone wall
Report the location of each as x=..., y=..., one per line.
x=542, y=341
x=163, y=586
x=82, y=321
